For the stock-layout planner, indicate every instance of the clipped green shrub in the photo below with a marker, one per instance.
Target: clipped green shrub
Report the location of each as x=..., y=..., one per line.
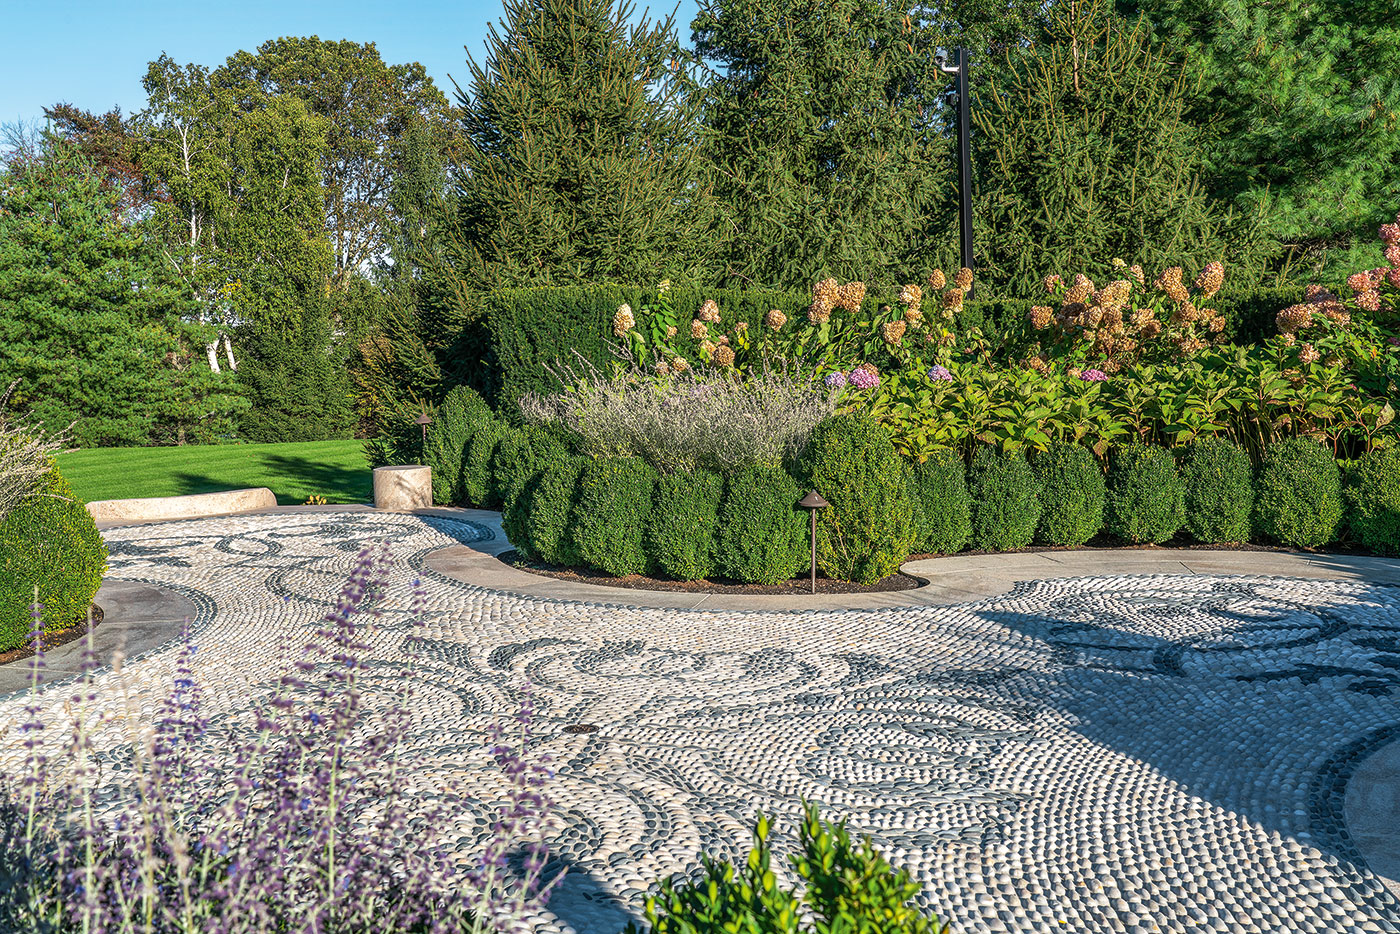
x=1072, y=495
x=614, y=501
x=48, y=540
x=942, y=507
x=454, y=423
x=868, y=529
x=1005, y=500
x=519, y=456
x=1216, y=475
x=1373, y=490
x=478, y=486
x=680, y=534
x=762, y=533
x=549, y=503
x=1146, y=502
x=1298, y=494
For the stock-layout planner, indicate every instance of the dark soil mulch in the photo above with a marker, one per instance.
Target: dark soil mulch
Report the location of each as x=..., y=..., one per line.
x=1181, y=542
x=56, y=637
x=797, y=586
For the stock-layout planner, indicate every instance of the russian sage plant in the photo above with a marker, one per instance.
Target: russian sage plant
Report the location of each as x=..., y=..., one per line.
x=26, y=455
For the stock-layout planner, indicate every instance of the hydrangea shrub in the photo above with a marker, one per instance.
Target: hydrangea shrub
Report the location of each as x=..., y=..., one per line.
x=1146, y=500
x=1298, y=494
x=1072, y=495
x=1219, y=485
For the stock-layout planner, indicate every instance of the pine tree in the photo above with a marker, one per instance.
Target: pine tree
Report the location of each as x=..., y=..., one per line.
x=825, y=138
x=1083, y=154
x=579, y=160
x=1304, y=101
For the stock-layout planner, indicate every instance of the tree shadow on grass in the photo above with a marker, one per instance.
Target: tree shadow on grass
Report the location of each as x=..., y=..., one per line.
x=291, y=479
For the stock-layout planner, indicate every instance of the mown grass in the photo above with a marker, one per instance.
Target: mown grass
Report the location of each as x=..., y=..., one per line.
x=336, y=470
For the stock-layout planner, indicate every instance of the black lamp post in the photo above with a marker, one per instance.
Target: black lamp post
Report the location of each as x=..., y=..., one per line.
x=423, y=421
x=963, y=100
x=812, y=502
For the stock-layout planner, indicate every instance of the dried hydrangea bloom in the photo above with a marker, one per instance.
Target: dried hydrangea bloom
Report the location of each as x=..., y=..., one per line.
x=1138, y=274
x=913, y=316
x=911, y=294
x=623, y=321
x=1318, y=294
x=1289, y=338
x=741, y=328
x=1038, y=364
x=936, y=280
x=893, y=332
x=1369, y=300
x=723, y=340
x=1215, y=325
x=774, y=320
x=709, y=311
x=1052, y=282
x=1390, y=233
x=670, y=331
x=698, y=330
x=707, y=347
x=963, y=279
x=662, y=368
x=1112, y=366
x=1337, y=314
x=1210, y=279
x=1307, y=354
x=1359, y=281
x=819, y=312
x=1093, y=315
x=680, y=365
x=1127, y=345
x=724, y=356
x=1170, y=283
x=1294, y=318
x=851, y=295
x=1041, y=316
x=826, y=291
x=953, y=299
x=1392, y=275
x=1079, y=291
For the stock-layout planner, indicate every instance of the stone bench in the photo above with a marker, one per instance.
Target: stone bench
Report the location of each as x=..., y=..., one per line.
x=181, y=507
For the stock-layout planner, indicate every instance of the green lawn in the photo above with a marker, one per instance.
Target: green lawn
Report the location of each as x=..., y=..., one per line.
x=336, y=470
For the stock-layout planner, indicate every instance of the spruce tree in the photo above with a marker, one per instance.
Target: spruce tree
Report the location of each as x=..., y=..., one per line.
x=579, y=158
x=824, y=137
x=1084, y=153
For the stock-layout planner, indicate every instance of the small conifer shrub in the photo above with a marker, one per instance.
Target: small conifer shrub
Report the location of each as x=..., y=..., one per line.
x=762, y=533
x=942, y=507
x=1219, y=485
x=684, y=523
x=1373, y=491
x=1072, y=495
x=610, y=516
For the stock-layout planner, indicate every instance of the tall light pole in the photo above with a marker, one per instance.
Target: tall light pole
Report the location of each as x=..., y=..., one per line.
x=963, y=100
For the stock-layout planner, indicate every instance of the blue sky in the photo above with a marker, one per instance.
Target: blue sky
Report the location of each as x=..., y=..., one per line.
x=93, y=54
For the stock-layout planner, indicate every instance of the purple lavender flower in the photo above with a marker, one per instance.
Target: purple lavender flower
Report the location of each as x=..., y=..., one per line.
x=835, y=380
x=863, y=379
x=940, y=374
x=1093, y=376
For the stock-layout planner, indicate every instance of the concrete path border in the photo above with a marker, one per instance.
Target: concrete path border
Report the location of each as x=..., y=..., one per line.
x=1373, y=812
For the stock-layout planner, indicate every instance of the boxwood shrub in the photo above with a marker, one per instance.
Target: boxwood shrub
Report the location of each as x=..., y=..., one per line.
x=51, y=542
x=1146, y=501
x=680, y=534
x=1005, y=500
x=462, y=412
x=478, y=488
x=519, y=456
x=1072, y=495
x=762, y=533
x=1373, y=489
x=868, y=529
x=610, y=517
x=539, y=521
x=1216, y=475
x=942, y=508
x=1298, y=494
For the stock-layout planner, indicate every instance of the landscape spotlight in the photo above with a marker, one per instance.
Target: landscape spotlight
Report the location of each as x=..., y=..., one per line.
x=812, y=502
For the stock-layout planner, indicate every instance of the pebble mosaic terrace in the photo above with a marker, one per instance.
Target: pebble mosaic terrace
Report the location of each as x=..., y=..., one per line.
x=1100, y=754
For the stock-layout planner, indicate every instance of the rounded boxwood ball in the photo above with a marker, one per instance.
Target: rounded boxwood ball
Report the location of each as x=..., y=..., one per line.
x=477, y=486
x=547, y=508
x=48, y=540
x=762, y=533
x=610, y=516
x=1072, y=495
x=1219, y=487
x=459, y=417
x=1005, y=500
x=1146, y=501
x=1298, y=494
x=942, y=507
x=684, y=521
x=519, y=457
x=1373, y=490
x=868, y=529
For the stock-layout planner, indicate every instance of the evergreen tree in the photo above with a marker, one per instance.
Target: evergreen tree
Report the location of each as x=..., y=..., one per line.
x=1084, y=153
x=1304, y=100
x=825, y=138
x=579, y=158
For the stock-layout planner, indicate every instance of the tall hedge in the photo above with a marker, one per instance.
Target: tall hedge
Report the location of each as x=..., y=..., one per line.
x=942, y=507
x=762, y=533
x=51, y=542
x=868, y=528
x=610, y=516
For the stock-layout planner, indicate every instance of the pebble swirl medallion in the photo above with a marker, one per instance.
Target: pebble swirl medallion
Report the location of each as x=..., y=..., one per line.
x=1160, y=753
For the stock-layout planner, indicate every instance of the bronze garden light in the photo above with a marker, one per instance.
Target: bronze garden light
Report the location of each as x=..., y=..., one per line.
x=812, y=502
x=424, y=421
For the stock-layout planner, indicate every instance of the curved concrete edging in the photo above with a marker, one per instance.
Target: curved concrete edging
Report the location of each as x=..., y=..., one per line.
x=158, y=508
x=137, y=617
x=1372, y=812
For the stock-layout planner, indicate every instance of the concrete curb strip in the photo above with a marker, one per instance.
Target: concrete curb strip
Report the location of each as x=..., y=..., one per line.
x=182, y=507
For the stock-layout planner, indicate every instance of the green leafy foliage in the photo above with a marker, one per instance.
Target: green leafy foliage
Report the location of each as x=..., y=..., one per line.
x=1298, y=494
x=762, y=536
x=478, y=485
x=1373, y=490
x=1072, y=494
x=459, y=417
x=614, y=501
x=48, y=541
x=845, y=887
x=684, y=522
x=942, y=507
x=549, y=502
x=869, y=527
x=1146, y=500
x=520, y=455
x=1005, y=497
x=1219, y=485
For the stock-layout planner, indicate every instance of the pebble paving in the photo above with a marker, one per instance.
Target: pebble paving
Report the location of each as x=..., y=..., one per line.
x=1124, y=754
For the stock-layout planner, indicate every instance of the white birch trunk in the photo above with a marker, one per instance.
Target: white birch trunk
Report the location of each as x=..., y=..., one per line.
x=228, y=351
x=213, y=350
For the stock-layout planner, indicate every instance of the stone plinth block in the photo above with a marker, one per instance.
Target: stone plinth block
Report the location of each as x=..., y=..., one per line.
x=408, y=486
x=182, y=507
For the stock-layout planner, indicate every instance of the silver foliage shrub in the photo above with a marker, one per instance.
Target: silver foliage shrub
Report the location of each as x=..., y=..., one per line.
x=685, y=421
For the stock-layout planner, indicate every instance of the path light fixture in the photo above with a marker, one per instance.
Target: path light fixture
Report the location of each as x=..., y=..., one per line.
x=423, y=421
x=961, y=99
x=812, y=502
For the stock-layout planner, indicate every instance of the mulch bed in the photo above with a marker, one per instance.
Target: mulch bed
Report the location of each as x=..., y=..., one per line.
x=796, y=586
x=54, y=638
x=1181, y=543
